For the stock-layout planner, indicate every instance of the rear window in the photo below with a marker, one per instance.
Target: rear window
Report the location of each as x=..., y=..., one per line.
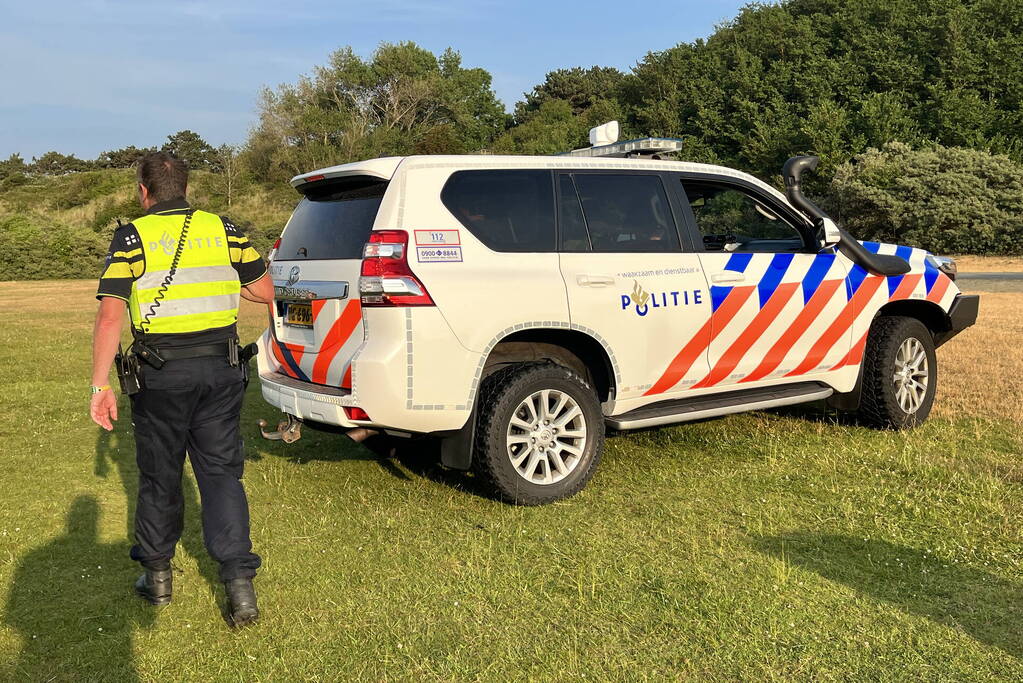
x=626, y=213
x=332, y=222
x=506, y=210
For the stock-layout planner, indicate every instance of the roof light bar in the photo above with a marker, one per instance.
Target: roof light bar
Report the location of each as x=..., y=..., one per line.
x=638, y=147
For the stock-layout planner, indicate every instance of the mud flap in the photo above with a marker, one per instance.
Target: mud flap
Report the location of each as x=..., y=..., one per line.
x=456, y=447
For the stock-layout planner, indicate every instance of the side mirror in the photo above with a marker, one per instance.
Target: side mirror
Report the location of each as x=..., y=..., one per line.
x=828, y=233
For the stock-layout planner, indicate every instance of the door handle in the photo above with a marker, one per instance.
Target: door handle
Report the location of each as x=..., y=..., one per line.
x=586, y=280
x=727, y=276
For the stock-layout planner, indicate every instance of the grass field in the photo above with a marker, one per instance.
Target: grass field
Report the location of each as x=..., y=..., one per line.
x=768, y=546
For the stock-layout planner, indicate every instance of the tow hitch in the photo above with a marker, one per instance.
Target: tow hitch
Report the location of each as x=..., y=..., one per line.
x=289, y=430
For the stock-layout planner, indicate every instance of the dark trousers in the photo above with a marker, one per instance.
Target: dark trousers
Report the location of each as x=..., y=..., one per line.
x=191, y=406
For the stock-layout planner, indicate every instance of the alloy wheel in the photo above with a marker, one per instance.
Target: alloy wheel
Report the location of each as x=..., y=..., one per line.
x=546, y=436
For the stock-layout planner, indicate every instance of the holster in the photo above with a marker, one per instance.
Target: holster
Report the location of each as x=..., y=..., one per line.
x=245, y=354
x=129, y=372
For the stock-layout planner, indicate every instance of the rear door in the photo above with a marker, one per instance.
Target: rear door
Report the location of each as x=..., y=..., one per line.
x=317, y=320
x=630, y=279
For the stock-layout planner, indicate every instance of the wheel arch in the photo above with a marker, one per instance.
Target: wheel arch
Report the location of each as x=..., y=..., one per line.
x=577, y=349
x=572, y=348
x=933, y=316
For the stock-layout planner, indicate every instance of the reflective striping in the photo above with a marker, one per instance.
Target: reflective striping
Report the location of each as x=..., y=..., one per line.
x=907, y=283
x=197, y=305
x=718, y=296
x=931, y=274
x=773, y=276
x=738, y=262
x=717, y=322
x=317, y=306
x=118, y=270
x=774, y=357
x=939, y=288
x=735, y=353
x=839, y=327
x=243, y=255
x=289, y=364
x=128, y=254
x=855, y=355
x=857, y=274
x=815, y=275
x=340, y=332
x=906, y=286
x=188, y=276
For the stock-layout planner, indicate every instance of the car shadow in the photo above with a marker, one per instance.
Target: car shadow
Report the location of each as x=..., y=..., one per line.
x=816, y=411
x=986, y=606
x=71, y=602
x=115, y=451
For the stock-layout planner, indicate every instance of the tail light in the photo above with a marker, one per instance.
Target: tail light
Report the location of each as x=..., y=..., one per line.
x=386, y=278
x=273, y=250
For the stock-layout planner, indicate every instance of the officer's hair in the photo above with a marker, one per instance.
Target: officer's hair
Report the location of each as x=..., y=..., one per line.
x=164, y=175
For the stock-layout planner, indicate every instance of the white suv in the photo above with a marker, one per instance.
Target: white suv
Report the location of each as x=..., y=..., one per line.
x=517, y=307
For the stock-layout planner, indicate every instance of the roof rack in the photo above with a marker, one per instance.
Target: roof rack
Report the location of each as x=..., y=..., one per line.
x=604, y=143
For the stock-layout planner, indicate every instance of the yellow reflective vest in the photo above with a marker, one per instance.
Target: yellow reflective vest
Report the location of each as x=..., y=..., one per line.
x=204, y=291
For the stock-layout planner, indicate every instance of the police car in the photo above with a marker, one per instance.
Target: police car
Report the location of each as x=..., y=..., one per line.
x=518, y=307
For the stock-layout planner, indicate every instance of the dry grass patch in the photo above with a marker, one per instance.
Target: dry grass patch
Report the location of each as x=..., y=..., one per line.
x=990, y=264
x=981, y=370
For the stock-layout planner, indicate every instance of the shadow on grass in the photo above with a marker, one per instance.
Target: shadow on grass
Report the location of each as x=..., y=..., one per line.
x=399, y=457
x=987, y=607
x=71, y=602
x=117, y=449
x=817, y=411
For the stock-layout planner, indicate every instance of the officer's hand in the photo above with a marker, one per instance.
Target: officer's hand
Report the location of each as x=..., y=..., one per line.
x=103, y=409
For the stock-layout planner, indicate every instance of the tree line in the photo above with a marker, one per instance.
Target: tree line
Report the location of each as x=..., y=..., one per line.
x=896, y=96
x=186, y=144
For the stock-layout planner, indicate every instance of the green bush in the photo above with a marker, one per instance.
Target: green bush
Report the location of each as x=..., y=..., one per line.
x=943, y=199
x=29, y=251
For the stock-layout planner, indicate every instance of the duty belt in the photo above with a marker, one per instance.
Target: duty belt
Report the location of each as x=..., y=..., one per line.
x=183, y=352
x=158, y=356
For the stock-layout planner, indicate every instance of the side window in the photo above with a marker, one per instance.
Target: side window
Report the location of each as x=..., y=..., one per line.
x=730, y=219
x=627, y=213
x=511, y=211
x=570, y=217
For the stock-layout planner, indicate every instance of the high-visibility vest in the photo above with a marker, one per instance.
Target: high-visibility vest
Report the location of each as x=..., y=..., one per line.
x=204, y=291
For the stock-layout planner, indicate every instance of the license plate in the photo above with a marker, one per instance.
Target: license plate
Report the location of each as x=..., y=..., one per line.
x=299, y=315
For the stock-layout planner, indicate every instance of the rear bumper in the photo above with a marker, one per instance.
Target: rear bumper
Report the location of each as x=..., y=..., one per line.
x=417, y=386
x=961, y=314
x=324, y=404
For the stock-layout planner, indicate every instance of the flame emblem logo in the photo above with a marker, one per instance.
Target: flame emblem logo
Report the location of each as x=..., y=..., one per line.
x=167, y=242
x=639, y=296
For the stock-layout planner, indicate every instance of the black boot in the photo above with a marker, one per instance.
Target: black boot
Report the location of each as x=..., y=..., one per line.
x=241, y=602
x=155, y=586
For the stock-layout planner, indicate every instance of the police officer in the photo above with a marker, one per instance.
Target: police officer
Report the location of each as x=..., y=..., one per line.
x=181, y=271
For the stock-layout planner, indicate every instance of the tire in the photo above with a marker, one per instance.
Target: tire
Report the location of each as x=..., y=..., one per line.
x=888, y=402
x=523, y=460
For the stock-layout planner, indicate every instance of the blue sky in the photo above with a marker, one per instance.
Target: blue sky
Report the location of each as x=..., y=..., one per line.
x=92, y=75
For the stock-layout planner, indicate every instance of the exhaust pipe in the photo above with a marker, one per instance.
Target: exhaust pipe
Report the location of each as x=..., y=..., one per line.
x=360, y=434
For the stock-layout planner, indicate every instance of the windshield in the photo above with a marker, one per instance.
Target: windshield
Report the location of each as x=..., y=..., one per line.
x=332, y=222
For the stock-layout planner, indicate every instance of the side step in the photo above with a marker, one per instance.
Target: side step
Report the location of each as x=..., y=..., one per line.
x=715, y=405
